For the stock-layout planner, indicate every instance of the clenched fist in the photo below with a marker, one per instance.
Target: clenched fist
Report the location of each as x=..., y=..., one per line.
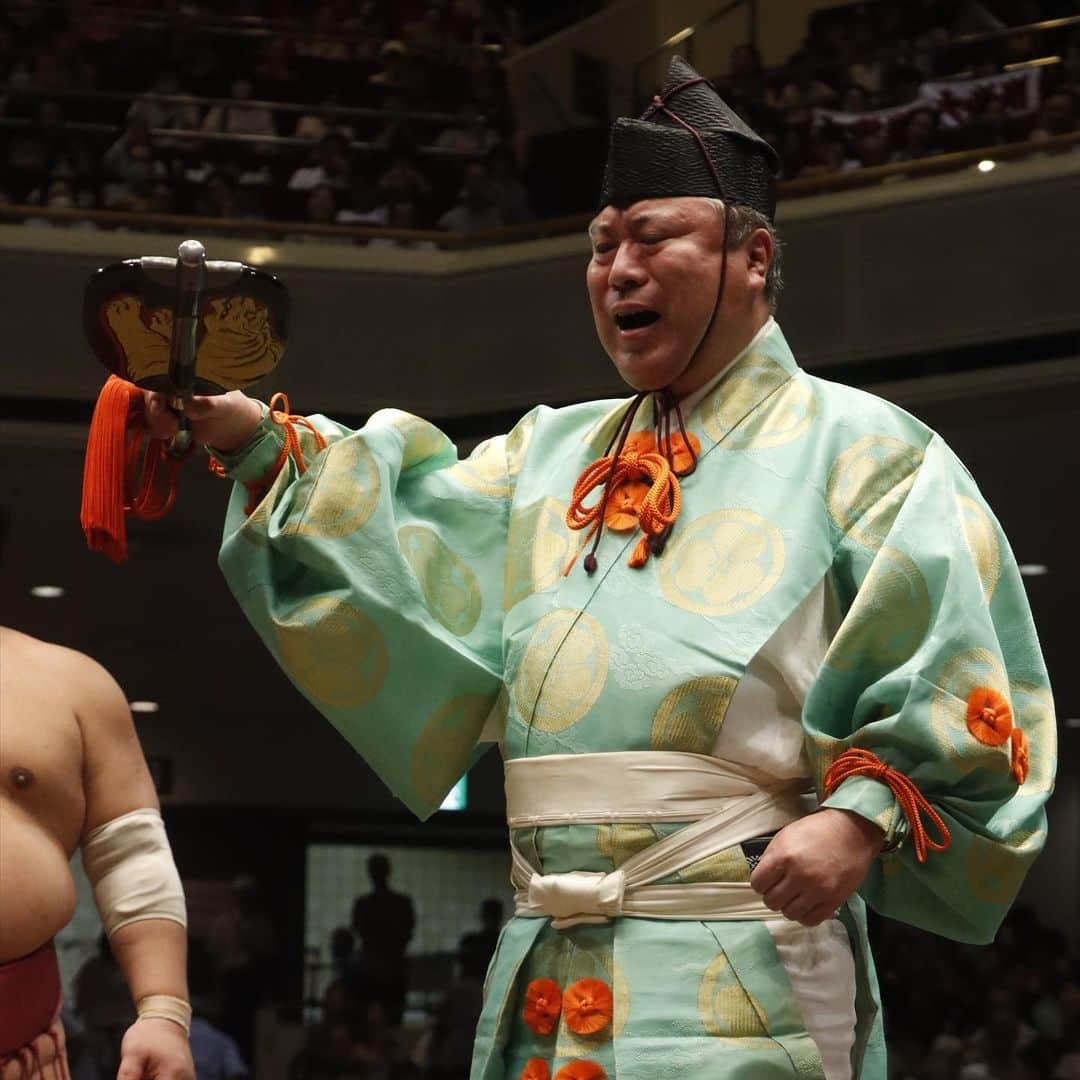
x=224, y=422
x=155, y=1049
x=814, y=864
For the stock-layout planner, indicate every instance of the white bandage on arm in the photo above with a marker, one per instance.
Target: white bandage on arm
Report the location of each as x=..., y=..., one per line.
x=130, y=866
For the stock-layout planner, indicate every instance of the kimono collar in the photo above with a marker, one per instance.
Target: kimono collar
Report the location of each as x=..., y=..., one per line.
x=689, y=403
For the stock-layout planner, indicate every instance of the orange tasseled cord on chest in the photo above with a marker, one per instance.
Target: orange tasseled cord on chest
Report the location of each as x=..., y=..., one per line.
x=639, y=475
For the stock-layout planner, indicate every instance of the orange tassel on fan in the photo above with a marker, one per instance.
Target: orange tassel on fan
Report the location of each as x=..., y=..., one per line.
x=125, y=473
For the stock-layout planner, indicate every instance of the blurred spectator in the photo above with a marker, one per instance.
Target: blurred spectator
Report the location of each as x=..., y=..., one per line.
x=167, y=114
x=746, y=73
x=383, y=920
x=275, y=76
x=1058, y=117
x=798, y=91
x=239, y=119
x=60, y=195
x=318, y=123
x=218, y=198
x=103, y=1005
x=456, y=1017
x=1070, y=67
x=403, y=181
x=477, y=208
x=874, y=149
x=855, y=99
x=422, y=56
x=324, y=43
x=428, y=33
x=402, y=214
x=321, y=205
x=989, y=127
x=905, y=84
x=129, y=166
x=477, y=947
x=827, y=157
x=365, y=203
x=470, y=135
x=162, y=198
x=867, y=69
x=67, y=154
x=37, y=155
x=328, y=1048
x=320, y=208
x=1002, y=1037
x=511, y=195
x=393, y=77
x=920, y=137
x=216, y=1056
x=330, y=167
x=243, y=945
x=380, y=1052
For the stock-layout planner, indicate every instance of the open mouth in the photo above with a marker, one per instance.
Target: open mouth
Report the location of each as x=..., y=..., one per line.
x=636, y=320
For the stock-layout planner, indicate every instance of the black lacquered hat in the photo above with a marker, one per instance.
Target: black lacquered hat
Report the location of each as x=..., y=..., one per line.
x=689, y=142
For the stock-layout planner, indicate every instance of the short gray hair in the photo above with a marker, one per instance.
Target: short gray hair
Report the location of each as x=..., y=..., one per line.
x=741, y=222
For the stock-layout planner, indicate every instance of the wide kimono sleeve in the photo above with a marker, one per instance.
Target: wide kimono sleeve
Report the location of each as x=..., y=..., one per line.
x=375, y=578
x=936, y=670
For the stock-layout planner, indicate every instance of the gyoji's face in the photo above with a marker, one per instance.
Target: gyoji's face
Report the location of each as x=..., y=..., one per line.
x=653, y=280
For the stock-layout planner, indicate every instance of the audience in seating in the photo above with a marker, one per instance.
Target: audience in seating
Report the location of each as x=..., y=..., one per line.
x=413, y=96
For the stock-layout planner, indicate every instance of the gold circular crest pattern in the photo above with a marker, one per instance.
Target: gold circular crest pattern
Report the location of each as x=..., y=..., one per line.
x=538, y=548
x=422, y=440
x=346, y=491
x=450, y=588
x=723, y=563
x=785, y=413
x=517, y=443
x=964, y=673
x=619, y=841
x=562, y=671
x=255, y=528
x=982, y=539
x=1033, y=711
x=334, y=652
x=442, y=751
x=867, y=485
x=690, y=717
x=727, y=1010
x=888, y=619
x=995, y=871
x=491, y=468
x=485, y=469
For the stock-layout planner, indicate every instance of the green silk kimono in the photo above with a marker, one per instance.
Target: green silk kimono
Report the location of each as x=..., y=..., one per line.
x=420, y=601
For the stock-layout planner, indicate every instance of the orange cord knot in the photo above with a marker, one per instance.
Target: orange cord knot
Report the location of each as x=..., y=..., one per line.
x=857, y=762
x=640, y=488
x=279, y=414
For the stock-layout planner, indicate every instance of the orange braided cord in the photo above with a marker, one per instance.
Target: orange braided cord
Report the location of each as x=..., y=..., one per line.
x=856, y=762
x=659, y=507
x=291, y=448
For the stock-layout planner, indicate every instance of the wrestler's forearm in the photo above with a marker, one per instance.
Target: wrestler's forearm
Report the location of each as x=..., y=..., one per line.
x=153, y=956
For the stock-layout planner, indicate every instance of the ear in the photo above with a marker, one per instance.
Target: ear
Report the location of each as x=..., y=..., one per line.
x=759, y=256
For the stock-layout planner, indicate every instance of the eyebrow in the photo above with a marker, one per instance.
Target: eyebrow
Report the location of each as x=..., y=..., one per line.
x=639, y=221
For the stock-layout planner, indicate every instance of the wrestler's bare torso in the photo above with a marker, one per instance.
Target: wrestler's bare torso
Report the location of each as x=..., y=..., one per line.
x=69, y=761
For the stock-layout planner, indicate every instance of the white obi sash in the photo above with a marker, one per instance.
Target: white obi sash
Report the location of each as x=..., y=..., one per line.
x=726, y=802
